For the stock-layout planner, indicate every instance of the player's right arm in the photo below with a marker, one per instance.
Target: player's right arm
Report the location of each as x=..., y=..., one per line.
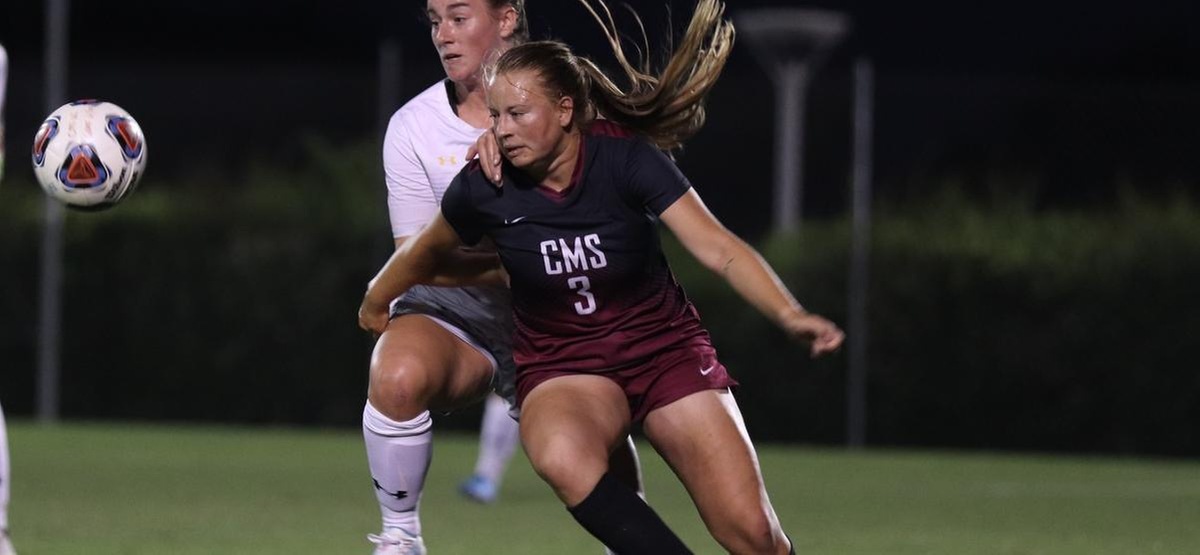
x=415, y=262
x=463, y=267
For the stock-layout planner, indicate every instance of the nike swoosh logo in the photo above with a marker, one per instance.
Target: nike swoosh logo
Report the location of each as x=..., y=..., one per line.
x=514, y=220
x=706, y=371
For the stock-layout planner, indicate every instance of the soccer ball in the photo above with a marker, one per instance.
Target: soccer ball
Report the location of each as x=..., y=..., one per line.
x=89, y=154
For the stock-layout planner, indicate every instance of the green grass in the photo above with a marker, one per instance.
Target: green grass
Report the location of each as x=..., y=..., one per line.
x=127, y=489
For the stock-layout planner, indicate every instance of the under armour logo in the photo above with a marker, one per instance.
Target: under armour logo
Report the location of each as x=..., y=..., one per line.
x=400, y=494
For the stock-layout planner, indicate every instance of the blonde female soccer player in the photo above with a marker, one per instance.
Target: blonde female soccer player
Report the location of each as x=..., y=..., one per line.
x=442, y=347
x=605, y=336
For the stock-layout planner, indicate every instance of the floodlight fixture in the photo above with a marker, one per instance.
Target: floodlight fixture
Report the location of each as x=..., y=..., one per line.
x=790, y=43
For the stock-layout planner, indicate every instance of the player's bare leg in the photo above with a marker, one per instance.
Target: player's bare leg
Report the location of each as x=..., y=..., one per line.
x=704, y=439
x=498, y=438
x=6, y=547
x=417, y=365
x=570, y=426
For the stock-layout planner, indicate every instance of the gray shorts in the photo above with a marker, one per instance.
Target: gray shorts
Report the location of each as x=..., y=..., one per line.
x=480, y=316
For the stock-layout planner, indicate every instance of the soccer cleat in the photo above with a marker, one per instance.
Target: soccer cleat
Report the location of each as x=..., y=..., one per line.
x=6, y=546
x=395, y=541
x=478, y=489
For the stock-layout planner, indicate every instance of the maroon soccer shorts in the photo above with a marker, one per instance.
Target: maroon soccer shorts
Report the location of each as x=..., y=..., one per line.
x=666, y=377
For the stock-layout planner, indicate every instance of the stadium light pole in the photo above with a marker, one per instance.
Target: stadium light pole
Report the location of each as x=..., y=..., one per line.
x=390, y=70
x=860, y=248
x=50, y=294
x=790, y=43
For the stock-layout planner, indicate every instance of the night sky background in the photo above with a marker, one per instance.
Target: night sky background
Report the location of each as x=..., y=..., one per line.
x=1072, y=100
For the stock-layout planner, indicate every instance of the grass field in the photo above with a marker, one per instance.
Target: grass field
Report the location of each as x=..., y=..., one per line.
x=101, y=489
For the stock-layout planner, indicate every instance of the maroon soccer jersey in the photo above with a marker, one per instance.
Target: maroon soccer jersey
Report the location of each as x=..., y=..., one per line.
x=591, y=288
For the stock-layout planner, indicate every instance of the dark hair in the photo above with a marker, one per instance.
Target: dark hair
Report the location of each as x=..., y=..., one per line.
x=666, y=108
x=521, y=31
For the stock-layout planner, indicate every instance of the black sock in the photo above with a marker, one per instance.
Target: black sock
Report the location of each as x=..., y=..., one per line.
x=615, y=514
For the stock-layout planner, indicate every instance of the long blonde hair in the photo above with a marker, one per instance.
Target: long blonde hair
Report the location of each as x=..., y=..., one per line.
x=666, y=108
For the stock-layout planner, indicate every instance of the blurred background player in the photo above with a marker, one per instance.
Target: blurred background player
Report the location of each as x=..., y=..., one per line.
x=3, y=88
x=498, y=438
x=6, y=547
x=444, y=347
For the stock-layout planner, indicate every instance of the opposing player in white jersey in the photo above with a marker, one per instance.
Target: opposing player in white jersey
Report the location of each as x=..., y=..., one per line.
x=444, y=347
x=6, y=547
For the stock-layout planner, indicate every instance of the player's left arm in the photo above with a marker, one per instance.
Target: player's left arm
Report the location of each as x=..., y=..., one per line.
x=751, y=276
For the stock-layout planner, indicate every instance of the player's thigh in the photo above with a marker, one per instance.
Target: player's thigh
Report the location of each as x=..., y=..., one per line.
x=418, y=364
x=703, y=438
x=569, y=425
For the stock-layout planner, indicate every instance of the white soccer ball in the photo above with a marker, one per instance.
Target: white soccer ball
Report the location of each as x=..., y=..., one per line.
x=89, y=154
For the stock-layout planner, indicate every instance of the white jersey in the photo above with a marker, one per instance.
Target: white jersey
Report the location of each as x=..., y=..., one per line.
x=424, y=149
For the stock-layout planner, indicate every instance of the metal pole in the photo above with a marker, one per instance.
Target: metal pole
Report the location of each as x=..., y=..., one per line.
x=50, y=298
x=389, y=80
x=860, y=238
x=791, y=85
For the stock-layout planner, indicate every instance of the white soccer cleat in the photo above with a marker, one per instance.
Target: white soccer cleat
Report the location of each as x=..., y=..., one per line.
x=394, y=541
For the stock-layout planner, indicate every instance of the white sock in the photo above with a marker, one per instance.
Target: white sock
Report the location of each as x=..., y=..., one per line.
x=497, y=440
x=3, y=472
x=398, y=455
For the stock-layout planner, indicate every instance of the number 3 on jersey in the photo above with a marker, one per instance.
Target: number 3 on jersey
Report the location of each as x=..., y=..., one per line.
x=582, y=286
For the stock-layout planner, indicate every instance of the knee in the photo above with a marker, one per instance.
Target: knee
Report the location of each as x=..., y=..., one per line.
x=751, y=532
x=566, y=467
x=399, y=385
x=555, y=462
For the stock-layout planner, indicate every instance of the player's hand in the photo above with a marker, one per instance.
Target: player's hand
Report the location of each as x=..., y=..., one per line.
x=487, y=148
x=373, y=315
x=822, y=336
